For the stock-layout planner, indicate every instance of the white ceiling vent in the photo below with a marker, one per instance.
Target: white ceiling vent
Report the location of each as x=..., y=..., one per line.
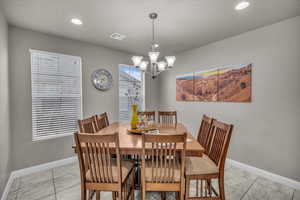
x=117, y=36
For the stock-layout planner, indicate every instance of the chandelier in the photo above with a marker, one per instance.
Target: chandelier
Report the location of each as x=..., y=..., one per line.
x=156, y=66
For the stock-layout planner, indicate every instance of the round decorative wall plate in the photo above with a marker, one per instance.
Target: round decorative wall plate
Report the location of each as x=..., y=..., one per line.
x=102, y=79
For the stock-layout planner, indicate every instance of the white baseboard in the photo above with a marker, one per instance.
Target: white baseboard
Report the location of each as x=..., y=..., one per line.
x=34, y=169
x=260, y=172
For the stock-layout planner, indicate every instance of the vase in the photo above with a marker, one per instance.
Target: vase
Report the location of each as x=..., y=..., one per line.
x=134, y=117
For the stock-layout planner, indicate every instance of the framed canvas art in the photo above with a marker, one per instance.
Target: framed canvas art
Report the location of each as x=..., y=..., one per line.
x=185, y=87
x=234, y=84
x=224, y=84
x=206, y=85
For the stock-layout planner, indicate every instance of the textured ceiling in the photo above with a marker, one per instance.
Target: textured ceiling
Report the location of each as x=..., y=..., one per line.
x=183, y=24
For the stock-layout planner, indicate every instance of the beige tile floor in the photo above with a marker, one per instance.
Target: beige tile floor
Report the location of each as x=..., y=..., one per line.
x=63, y=183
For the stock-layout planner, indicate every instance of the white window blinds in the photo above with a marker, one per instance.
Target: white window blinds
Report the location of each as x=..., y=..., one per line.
x=131, y=90
x=56, y=94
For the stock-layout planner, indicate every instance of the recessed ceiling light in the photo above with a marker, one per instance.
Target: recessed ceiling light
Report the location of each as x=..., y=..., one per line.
x=242, y=5
x=117, y=36
x=76, y=21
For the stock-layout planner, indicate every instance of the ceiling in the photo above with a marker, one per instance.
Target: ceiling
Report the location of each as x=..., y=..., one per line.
x=182, y=24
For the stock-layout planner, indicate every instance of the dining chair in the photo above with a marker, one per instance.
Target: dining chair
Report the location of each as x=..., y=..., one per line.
x=101, y=121
x=211, y=165
x=87, y=125
x=168, y=118
x=165, y=171
x=150, y=115
x=204, y=136
x=103, y=172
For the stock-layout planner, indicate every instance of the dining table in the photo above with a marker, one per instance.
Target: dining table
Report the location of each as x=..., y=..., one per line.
x=131, y=144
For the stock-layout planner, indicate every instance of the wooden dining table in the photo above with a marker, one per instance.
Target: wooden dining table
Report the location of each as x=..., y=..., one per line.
x=131, y=144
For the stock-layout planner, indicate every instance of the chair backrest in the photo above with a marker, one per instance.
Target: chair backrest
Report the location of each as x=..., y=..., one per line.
x=94, y=154
x=204, y=132
x=220, y=138
x=101, y=121
x=150, y=115
x=87, y=125
x=167, y=117
x=166, y=160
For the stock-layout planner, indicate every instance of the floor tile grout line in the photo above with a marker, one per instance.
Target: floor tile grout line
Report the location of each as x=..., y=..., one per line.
x=248, y=188
x=52, y=172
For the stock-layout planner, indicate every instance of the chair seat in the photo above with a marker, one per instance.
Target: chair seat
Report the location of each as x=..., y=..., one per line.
x=161, y=172
x=126, y=167
x=200, y=165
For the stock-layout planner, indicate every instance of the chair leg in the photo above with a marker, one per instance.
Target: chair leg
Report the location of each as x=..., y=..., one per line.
x=177, y=195
x=91, y=194
x=133, y=185
x=132, y=194
x=83, y=192
x=181, y=195
x=119, y=195
x=209, y=187
x=163, y=195
x=113, y=194
x=97, y=195
x=187, y=189
x=221, y=187
x=143, y=192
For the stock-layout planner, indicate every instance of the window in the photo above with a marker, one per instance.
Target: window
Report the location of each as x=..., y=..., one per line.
x=131, y=90
x=56, y=94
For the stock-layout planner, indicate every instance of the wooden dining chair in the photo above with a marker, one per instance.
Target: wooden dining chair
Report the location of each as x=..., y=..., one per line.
x=168, y=118
x=150, y=115
x=204, y=136
x=87, y=125
x=165, y=171
x=210, y=166
x=101, y=121
x=103, y=172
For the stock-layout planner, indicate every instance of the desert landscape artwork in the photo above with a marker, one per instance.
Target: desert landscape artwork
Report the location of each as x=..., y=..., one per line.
x=224, y=84
x=234, y=84
x=206, y=85
x=185, y=87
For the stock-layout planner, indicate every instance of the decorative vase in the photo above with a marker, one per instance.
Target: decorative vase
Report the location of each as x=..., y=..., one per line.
x=134, y=117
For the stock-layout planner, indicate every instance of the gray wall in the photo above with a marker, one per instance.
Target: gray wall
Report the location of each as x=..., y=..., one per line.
x=267, y=130
x=26, y=153
x=152, y=94
x=4, y=106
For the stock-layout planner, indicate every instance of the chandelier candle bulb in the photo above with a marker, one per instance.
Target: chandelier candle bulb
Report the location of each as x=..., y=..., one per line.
x=143, y=65
x=170, y=60
x=161, y=66
x=136, y=60
x=153, y=56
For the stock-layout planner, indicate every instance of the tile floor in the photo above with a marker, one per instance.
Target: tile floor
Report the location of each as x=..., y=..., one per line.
x=63, y=183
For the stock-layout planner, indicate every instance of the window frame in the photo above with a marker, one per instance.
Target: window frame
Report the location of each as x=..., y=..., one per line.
x=50, y=137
